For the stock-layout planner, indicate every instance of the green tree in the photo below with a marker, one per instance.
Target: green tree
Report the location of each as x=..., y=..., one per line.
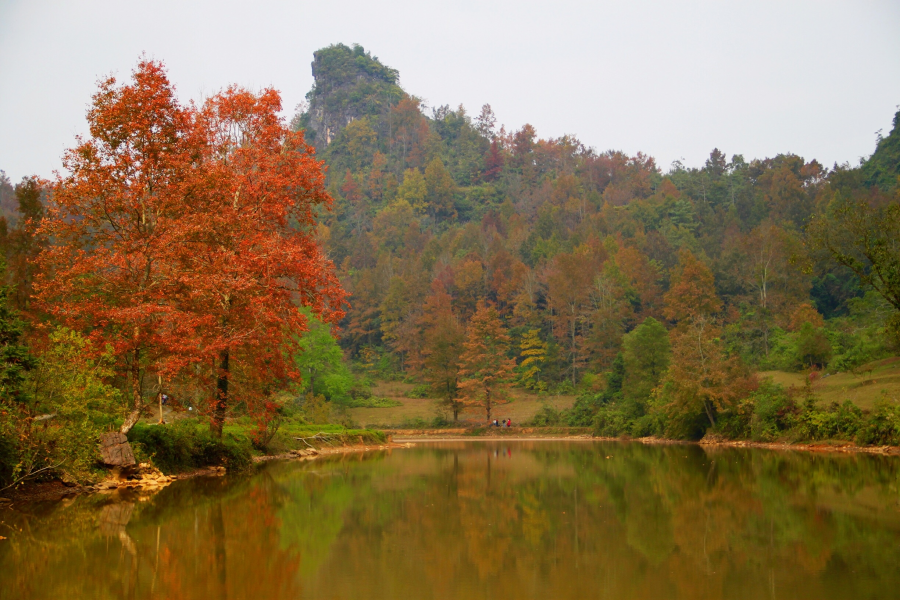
x=533, y=351
x=647, y=353
x=361, y=141
x=413, y=190
x=812, y=347
x=883, y=167
x=440, y=189
x=72, y=384
x=25, y=243
x=15, y=358
x=321, y=362
x=863, y=236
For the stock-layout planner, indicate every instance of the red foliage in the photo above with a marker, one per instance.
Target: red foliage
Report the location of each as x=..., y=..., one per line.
x=186, y=235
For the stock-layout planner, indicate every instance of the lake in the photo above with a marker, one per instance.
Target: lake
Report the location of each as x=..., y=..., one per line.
x=481, y=519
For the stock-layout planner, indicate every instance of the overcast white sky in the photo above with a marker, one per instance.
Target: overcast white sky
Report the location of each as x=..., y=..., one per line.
x=672, y=79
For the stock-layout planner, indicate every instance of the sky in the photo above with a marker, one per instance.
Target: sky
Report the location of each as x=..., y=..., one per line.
x=672, y=79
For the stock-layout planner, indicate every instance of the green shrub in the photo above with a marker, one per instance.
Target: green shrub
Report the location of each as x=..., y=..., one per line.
x=836, y=422
x=646, y=425
x=582, y=412
x=68, y=386
x=882, y=426
x=189, y=444
x=316, y=409
x=547, y=417
x=421, y=390
x=773, y=412
x=360, y=392
x=610, y=421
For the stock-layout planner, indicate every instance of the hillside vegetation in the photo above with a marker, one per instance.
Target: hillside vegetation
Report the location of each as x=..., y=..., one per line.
x=653, y=294
x=268, y=274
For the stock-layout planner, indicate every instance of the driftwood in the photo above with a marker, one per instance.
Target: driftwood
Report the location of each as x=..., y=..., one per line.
x=29, y=475
x=321, y=436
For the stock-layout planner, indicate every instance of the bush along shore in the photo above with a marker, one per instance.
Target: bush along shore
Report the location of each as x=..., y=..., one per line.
x=153, y=455
x=769, y=414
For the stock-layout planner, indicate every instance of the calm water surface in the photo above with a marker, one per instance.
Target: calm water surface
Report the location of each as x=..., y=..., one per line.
x=547, y=520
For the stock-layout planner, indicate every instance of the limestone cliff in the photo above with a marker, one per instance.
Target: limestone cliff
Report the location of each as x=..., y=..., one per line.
x=349, y=83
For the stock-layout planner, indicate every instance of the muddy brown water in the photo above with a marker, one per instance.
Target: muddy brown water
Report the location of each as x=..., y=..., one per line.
x=469, y=520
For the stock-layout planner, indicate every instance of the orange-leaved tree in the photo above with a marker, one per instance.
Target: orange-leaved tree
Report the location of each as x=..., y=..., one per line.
x=485, y=371
x=185, y=236
x=443, y=344
x=701, y=379
x=113, y=221
x=249, y=256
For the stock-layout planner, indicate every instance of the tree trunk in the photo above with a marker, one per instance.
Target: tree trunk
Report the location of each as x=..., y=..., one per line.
x=136, y=397
x=159, y=396
x=218, y=419
x=709, y=413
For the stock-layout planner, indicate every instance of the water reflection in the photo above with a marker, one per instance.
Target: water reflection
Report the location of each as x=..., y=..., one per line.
x=482, y=520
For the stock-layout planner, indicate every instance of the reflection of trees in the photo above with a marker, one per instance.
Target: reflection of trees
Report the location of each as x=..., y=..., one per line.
x=205, y=540
x=540, y=521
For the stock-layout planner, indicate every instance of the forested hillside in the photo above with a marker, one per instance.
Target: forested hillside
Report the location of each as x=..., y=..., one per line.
x=602, y=268
x=204, y=255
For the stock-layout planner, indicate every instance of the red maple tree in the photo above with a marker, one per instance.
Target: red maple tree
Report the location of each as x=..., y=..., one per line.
x=249, y=257
x=185, y=235
x=112, y=221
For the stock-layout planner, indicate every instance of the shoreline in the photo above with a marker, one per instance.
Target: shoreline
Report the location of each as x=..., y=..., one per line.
x=57, y=490
x=54, y=490
x=837, y=447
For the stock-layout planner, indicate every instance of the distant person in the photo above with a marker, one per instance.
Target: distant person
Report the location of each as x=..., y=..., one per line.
x=509, y=422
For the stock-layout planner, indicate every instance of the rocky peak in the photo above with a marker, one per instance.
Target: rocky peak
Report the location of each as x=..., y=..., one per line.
x=349, y=83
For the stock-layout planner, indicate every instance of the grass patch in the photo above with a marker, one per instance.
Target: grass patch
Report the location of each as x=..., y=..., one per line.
x=864, y=386
x=285, y=439
x=414, y=413
x=373, y=402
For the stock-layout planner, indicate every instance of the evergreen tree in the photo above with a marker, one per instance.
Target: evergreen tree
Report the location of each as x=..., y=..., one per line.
x=15, y=358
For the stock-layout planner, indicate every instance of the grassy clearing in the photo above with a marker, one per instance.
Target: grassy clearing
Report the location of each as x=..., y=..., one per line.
x=863, y=386
x=415, y=411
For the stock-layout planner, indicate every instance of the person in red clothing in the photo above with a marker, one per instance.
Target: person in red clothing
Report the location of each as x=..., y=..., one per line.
x=509, y=422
